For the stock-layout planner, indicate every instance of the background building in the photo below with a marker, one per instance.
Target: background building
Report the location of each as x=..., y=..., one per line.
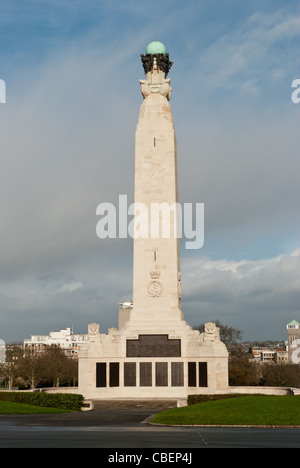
x=293, y=331
x=65, y=339
x=2, y=351
x=264, y=354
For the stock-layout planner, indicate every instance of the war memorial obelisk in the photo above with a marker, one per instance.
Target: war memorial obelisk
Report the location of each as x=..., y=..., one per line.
x=154, y=353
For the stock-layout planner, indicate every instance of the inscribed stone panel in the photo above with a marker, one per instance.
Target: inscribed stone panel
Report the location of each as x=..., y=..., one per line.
x=129, y=374
x=153, y=346
x=146, y=374
x=177, y=374
x=161, y=374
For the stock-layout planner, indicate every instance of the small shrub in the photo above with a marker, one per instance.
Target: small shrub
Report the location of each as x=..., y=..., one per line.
x=70, y=402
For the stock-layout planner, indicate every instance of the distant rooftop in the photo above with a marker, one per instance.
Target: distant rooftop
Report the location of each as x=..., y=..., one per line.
x=294, y=322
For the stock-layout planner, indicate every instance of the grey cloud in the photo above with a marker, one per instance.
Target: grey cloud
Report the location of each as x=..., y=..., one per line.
x=67, y=136
x=256, y=296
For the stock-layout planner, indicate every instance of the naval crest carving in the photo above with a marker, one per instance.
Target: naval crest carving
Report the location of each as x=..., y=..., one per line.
x=155, y=288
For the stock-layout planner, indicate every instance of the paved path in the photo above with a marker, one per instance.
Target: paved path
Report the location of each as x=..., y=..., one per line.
x=123, y=425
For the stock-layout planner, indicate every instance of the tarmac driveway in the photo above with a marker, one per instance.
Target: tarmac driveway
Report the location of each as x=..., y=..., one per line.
x=123, y=425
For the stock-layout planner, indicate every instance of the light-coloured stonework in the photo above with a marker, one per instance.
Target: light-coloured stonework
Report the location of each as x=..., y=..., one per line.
x=154, y=353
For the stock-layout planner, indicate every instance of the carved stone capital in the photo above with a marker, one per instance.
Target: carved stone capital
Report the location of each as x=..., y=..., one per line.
x=162, y=88
x=156, y=68
x=163, y=62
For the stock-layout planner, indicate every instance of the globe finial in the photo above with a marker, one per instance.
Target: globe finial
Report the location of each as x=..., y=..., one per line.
x=156, y=53
x=156, y=47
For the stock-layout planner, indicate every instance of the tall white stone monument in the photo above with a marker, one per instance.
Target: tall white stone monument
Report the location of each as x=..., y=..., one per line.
x=154, y=353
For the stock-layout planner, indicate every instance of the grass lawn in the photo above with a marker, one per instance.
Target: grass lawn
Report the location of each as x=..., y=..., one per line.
x=242, y=410
x=9, y=407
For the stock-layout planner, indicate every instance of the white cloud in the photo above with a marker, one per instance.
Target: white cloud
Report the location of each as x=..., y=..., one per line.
x=70, y=287
x=256, y=296
x=249, y=57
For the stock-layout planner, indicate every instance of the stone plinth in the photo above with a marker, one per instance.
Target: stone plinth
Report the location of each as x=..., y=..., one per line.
x=171, y=360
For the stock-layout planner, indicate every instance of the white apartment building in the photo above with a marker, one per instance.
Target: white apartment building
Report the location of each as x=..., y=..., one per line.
x=2, y=351
x=65, y=339
x=293, y=332
x=263, y=354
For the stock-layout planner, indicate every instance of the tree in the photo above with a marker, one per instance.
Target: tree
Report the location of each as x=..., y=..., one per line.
x=51, y=367
x=54, y=368
x=72, y=371
x=31, y=369
x=281, y=375
x=9, y=370
x=243, y=372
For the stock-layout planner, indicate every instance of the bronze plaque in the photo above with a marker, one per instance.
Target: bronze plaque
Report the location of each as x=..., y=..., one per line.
x=161, y=374
x=153, y=346
x=177, y=374
x=129, y=374
x=145, y=374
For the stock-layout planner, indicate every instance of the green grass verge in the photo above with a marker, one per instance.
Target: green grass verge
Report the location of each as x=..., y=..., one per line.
x=245, y=410
x=10, y=407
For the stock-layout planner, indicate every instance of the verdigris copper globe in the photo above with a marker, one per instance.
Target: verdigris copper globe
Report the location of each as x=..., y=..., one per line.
x=156, y=47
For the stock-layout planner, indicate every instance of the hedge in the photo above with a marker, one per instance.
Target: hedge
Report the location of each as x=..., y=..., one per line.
x=70, y=402
x=193, y=399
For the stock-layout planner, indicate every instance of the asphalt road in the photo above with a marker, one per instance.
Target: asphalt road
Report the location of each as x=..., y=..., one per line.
x=124, y=426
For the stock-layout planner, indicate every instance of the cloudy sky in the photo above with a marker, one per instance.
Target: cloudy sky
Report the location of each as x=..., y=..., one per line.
x=71, y=69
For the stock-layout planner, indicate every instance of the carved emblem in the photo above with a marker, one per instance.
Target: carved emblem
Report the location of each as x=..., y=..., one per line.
x=93, y=330
x=211, y=332
x=155, y=289
x=155, y=274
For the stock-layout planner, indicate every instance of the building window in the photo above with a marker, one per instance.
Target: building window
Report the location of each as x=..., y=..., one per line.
x=294, y=341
